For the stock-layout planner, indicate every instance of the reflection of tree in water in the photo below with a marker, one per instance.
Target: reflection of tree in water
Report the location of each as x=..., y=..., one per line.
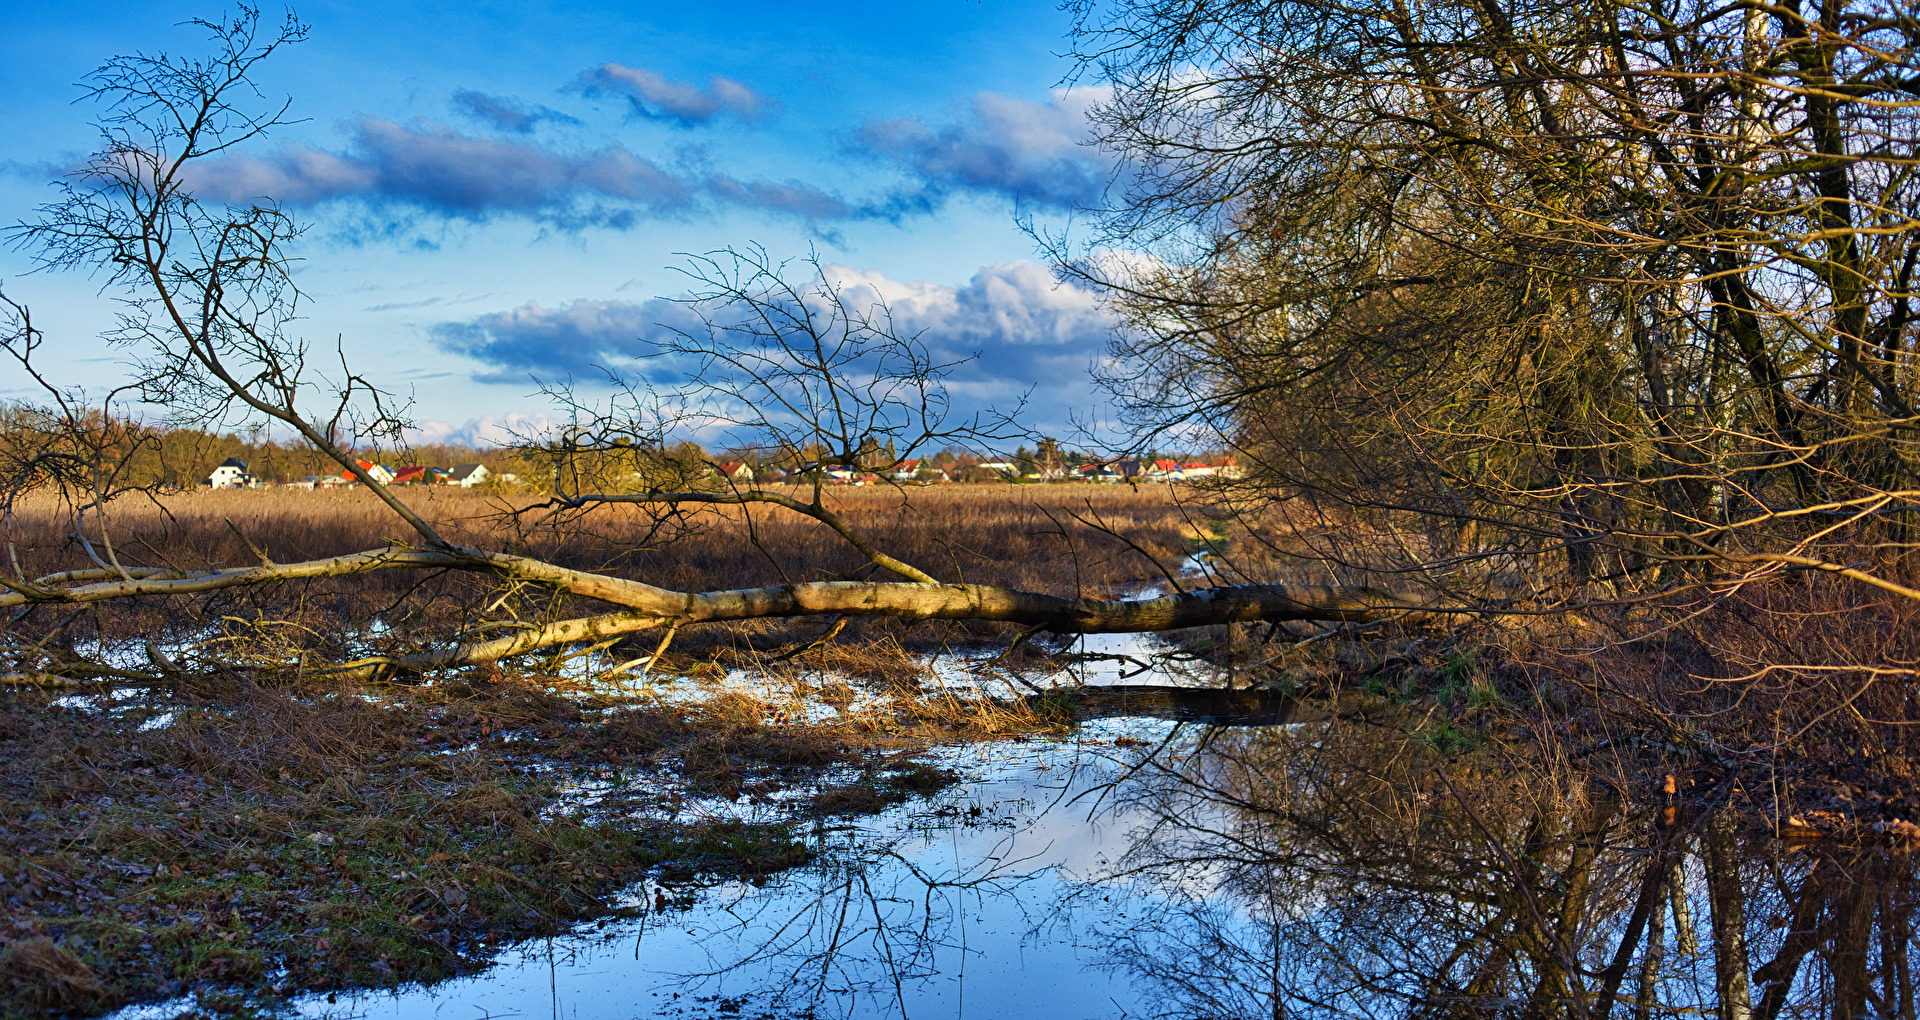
x=1331, y=869
x=857, y=930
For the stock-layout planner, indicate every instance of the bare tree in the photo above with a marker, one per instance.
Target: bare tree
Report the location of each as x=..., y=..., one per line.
x=1597, y=312
x=789, y=365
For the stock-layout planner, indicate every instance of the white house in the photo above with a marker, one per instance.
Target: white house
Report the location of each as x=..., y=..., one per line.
x=231, y=474
x=918, y=471
x=378, y=472
x=467, y=476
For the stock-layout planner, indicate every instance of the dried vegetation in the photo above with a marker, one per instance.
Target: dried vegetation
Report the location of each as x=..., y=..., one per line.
x=1015, y=536
x=245, y=843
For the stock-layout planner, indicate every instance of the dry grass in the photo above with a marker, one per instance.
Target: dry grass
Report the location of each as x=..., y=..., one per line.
x=43, y=976
x=1018, y=536
x=1014, y=535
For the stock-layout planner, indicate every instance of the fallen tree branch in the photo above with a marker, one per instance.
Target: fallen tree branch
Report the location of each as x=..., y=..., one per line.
x=39, y=680
x=645, y=606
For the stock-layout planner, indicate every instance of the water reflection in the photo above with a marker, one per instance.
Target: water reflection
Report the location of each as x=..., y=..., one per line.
x=1332, y=869
x=1328, y=866
x=944, y=909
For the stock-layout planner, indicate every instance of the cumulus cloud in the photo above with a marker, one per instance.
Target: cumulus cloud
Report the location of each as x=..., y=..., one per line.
x=1026, y=333
x=506, y=114
x=1026, y=328
x=444, y=170
x=1033, y=152
x=486, y=431
x=652, y=95
x=576, y=340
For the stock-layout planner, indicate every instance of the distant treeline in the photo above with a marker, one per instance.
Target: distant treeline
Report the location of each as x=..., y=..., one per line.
x=40, y=446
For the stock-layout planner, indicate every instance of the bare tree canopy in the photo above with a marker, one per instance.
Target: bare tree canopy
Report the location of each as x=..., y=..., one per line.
x=781, y=361
x=1552, y=304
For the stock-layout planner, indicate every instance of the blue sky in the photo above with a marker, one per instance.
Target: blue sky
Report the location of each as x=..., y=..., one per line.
x=498, y=190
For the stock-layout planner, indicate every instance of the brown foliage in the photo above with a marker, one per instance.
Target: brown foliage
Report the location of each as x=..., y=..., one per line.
x=43, y=976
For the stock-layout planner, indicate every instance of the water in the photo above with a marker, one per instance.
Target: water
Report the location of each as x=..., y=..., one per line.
x=1224, y=855
x=954, y=907
x=1322, y=868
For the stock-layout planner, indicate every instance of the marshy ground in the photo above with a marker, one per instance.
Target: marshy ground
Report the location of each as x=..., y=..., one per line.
x=249, y=832
x=247, y=844
x=246, y=833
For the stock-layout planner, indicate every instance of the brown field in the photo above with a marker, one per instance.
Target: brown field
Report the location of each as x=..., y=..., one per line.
x=1018, y=536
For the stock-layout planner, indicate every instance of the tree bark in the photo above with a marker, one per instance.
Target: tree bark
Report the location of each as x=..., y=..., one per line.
x=647, y=606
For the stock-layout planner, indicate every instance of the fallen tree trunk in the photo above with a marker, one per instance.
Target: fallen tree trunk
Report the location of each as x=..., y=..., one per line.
x=645, y=606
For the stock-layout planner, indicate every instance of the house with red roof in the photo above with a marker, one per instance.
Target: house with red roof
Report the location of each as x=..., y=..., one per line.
x=377, y=472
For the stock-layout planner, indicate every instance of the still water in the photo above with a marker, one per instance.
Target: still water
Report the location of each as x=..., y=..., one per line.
x=964, y=905
x=1213, y=855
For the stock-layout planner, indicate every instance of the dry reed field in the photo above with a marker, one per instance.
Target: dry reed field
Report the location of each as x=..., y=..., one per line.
x=1053, y=538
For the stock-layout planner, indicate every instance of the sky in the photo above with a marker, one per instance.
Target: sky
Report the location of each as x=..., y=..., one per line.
x=497, y=191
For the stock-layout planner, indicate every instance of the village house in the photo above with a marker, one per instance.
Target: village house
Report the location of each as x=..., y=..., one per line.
x=736, y=471
x=1164, y=470
x=231, y=474
x=378, y=472
x=917, y=470
x=467, y=476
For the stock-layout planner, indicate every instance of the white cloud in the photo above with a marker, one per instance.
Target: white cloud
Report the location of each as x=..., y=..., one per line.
x=1025, y=333
x=1032, y=151
x=486, y=431
x=653, y=95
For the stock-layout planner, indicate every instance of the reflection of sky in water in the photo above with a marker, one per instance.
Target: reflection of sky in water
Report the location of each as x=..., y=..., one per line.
x=925, y=911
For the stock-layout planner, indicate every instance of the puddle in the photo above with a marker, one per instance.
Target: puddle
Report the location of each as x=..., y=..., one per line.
x=954, y=906
x=1197, y=852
